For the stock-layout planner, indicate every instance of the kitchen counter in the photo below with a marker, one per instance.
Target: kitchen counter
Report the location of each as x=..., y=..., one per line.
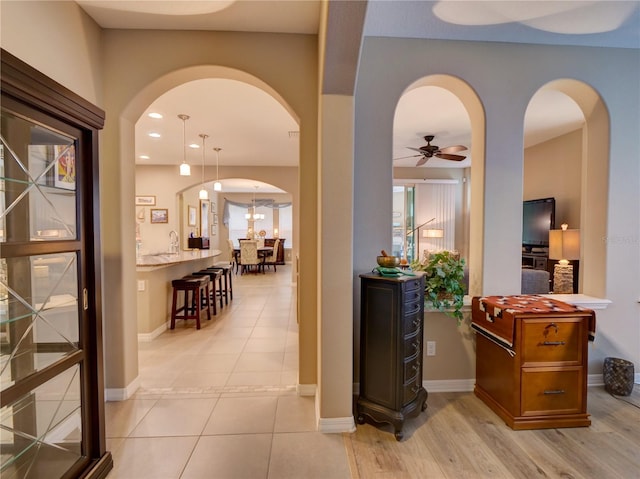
x=165, y=259
x=154, y=275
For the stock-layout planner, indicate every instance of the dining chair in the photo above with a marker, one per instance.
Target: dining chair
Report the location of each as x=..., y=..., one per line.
x=260, y=243
x=249, y=256
x=233, y=259
x=272, y=260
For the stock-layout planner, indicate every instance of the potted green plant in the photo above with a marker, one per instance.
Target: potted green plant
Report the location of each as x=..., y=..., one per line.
x=444, y=287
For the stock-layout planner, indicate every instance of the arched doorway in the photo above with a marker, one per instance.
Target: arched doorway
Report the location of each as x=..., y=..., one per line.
x=131, y=112
x=573, y=166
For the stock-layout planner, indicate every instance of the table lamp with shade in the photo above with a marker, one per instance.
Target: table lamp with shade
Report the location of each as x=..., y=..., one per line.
x=433, y=233
x=564, y=245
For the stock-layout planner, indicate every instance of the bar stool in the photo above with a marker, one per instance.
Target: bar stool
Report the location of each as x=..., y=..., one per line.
x=196, y=299
x=216, y=290
x=227, y=270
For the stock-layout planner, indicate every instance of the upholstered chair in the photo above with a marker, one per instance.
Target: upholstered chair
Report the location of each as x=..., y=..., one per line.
x=249, y=255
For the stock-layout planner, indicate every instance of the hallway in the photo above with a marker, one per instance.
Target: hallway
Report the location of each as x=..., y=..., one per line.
x=221, y=402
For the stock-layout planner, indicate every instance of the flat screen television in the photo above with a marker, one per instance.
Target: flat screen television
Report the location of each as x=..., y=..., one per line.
x=538, y=217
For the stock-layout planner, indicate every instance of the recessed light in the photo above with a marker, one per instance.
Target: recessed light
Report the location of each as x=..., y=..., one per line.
x=144, y=157
x=153, y=134
x=155, y=115
x=194, y=146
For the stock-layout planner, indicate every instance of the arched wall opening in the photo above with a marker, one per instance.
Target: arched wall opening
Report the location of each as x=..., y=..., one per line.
x=470, y=194
x=590, y=150
x=286, y=178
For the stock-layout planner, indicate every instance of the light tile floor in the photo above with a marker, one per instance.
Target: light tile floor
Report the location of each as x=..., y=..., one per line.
x=221, y=402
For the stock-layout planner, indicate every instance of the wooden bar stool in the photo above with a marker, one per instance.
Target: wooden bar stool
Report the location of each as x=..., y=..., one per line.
x=216, y=290
x=196, y=299
x=227, y=270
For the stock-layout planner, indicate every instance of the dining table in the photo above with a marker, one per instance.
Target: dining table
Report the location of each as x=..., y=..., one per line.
x=263, y=252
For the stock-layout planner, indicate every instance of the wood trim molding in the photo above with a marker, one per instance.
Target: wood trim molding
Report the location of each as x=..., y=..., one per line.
x=25, y=83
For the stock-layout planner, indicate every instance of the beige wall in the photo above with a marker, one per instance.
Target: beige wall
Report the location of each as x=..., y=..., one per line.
x=178, y=193
x=58, y=39
x=497, y=171
x=554, y=169
x=284, y=65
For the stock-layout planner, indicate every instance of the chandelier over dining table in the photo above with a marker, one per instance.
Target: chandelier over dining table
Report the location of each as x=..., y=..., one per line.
x=254, y=216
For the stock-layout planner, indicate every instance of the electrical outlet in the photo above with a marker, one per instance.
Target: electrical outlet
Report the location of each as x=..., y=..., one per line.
x=141, y=285
x=431, y=348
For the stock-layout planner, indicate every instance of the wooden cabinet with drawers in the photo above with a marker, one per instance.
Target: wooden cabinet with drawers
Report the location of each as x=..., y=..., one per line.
x=541, y=380
x=391, y=333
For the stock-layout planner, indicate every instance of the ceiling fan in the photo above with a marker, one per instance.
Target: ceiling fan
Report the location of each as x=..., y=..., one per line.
x=429, y=151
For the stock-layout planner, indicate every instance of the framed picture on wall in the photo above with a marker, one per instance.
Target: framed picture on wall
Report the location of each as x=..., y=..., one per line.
x=192, y=215
x=213, y=230
x=160, y=215
x=145, y=200
x=204, y=218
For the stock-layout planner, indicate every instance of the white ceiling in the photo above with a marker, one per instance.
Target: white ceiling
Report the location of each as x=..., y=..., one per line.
x=252, y=128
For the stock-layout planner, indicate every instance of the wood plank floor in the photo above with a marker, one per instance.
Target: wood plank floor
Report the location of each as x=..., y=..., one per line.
x=460, y=437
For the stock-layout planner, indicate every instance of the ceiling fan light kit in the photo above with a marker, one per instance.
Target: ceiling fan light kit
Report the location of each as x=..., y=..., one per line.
x=429, y=151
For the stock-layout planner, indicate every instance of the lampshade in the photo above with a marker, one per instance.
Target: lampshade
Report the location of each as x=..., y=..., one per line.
x=433, y=233
x=185, y=169
x=564, y=244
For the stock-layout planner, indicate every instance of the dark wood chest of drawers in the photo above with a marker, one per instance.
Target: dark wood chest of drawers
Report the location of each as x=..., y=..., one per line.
x=541, y=381
x=391, y=337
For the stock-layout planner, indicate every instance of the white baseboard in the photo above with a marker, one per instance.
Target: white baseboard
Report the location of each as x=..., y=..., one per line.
x=306, y=389
x=148, y=337
x=467, y=385
x=122, y=394
x=598, y=380
x=336, y=425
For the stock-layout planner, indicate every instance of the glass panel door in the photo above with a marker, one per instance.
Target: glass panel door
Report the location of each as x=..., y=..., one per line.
x=41, y=312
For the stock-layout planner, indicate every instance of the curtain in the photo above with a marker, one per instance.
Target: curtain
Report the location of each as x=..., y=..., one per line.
x=266, y=203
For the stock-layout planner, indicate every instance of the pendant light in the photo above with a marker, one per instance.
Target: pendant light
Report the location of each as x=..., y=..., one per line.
x=217, y=186
x=185, y=169
x=203, y=194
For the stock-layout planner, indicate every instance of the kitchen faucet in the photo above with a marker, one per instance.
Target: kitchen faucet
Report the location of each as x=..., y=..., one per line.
x=174, y=242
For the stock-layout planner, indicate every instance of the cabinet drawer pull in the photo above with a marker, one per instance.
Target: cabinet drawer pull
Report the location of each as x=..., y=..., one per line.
x=553, y=343
x=554, y=391
x=552, y=325
x=416, y=322
x=416, y=345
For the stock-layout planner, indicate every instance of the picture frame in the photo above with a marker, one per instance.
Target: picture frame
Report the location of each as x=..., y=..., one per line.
x=159, y=215
x=215, y=219
x=192, y=215
x=213, y=230
x=64, y=171
x=204, y=218
x=145, y=200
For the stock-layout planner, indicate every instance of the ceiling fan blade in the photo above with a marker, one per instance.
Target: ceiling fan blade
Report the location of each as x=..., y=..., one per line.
x=414, y=149
x=422, y=161
x=453, y=149
x=405, y=157
x=446, y=156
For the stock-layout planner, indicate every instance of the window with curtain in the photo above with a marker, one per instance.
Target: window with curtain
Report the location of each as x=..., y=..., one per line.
x=267, y=223
x=237, y=223
x=436, y=200
x=285, y=225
